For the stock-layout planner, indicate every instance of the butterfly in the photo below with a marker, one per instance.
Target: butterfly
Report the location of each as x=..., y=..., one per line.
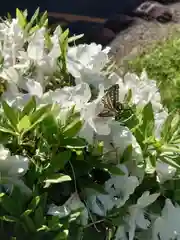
x=112, y=106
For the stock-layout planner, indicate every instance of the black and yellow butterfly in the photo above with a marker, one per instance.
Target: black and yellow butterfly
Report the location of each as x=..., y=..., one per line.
x=112, y=106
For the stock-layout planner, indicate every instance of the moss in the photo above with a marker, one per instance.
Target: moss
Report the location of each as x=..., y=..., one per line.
x=162, y=63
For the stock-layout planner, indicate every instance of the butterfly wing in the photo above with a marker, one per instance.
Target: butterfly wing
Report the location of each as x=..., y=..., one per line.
x=111, y=102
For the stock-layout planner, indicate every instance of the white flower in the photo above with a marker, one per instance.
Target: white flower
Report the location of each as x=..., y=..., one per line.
x=167, y=226
x=12, y=167
x=79, y=96
x=55, y=50
x=151, y=92
x=119, y=138
x=164, y=171
x=15, y=98
x=118, y=188
x=93, y=123
x=121, y=187
x=13, y=40
x=86, y=57
x=143, y=90
x=69, y=96
x=72, y=204
x=11, y=75
x=45, y=63
x=160, y=118
x=121, y=233
x=98, y=203
x=35, y=50
x=136, y=217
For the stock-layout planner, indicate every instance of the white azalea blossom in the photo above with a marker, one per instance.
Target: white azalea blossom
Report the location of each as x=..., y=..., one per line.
x=121, y=233
x=119, y=138
x=118, y=188
x=86, y=57
x=164, y=172
x=136, y=217
x=93, y=123
x=143, y=90
x=13, y=40
x=98, y=203
x=121, y=187
x=12, y=167
x=160, y=118
x=70, y=205
x=167, y=225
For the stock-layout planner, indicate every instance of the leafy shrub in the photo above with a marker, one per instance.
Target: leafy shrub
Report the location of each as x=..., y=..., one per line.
x=80, y=158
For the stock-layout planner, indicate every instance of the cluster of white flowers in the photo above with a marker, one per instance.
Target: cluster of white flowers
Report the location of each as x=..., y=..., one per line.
x=85, y=64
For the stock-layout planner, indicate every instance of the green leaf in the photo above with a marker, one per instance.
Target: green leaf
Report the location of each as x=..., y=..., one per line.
x=75, y=214
x=60, y=160
x=25, y=219
x=115, y=170
x=177, y=195
x=139, y=136
x=72, y=129
x=74, y=143
x=97, y=188
x=62, y=235
x=29, y=108
x=67, y=118
x=166, y=128
x=64, y=36
x=9, y=205
x=24, y=124
x=117, y=221
x=10, y=114
x=43, y=228
x=92, y=233
x=153, y=159
x=9, y=218
x=57, y=178
x=27, y=212
x=148, y=120
x=175, y=123
x=9, y=17
x=75, y=38
x=128, y=96
x=50, y=126
x=34, y=29
x=167, y=159
x=5, y=130
x=25, y=13
x=33, y=19
x=53, y=223
x=34, y=203
x=48, y=42
x=127, y=154
x=43, y=19
x=40, y=114
x=76, y=231
x=39, y=217
x=21, y=18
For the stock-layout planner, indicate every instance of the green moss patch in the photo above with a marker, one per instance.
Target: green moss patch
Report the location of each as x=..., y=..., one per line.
x=162, y=63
